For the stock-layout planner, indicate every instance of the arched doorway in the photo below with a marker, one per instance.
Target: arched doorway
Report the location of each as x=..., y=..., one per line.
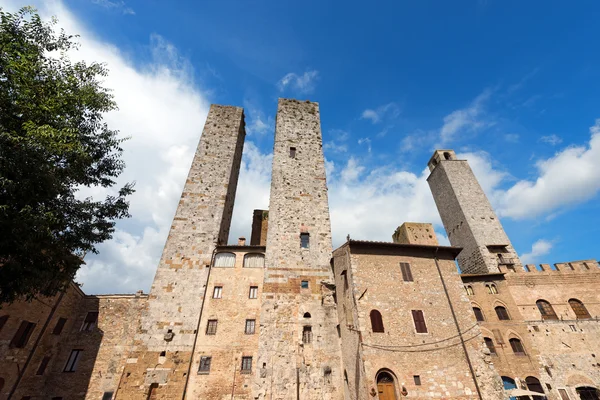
x=385, y=386
x=588, y=393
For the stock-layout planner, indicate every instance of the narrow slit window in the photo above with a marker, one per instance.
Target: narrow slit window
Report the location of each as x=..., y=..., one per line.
x=417, y=379
x=250, y=326
x=211, y=327
x=419, y=320
x=406, y=272
x=204, y=365
x=73, y=360
x=292, y=152
x=307, y=334
x=60, y=324
x=43, y=365
x=217, y=292
x=253, y=294
x=91, y=319
x=22, y=335
x=304, y=240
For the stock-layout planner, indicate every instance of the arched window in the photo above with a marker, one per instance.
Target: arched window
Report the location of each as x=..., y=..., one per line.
x=588, y=393
x=254, y=260
x=546, y=310
x=508, y=383
x=492, y=289
x=502, y=313
x=517, y=346
x=306, y=315
x=225, y=260
x=469, y=290
x=478, y=314
x=490, y=345
x=376, y=321
x=447, y=156
x=580, y=311
x=534, y=385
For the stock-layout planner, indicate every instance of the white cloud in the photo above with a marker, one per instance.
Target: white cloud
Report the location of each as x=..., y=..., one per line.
x=467, y=119
x=552, y=140
x=115, y=5
x=365, y=141
x=538, y=249
x=389, y=110
x=304, y=83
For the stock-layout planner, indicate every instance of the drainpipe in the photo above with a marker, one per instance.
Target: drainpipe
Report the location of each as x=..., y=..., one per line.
x=35, y=345
x=462, y=340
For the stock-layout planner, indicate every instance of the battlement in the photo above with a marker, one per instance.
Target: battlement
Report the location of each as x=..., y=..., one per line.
x=590, y=266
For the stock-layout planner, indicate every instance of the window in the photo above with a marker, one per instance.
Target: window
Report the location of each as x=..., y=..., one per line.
x=306, y=315
x=304, y=240
x=211, y=327
x=107, y=396
x=250, y=325
x=74, y=357
x=60, y=324
x=254, y=261
x=502, y=313
x=292, y=152
x=406, y=273
x=490, y=345
x=217, y=292
x=253, y=294
x=563, y=394
x=304, y=284
x=417, y=379
x=517, y=347
x=225, y=260
x=580, y=311
x=492, y=289
x=90, y=321
x=3, y=320
x=573, y=328
x=376, y=321
x=534, y=384
x=204, y=365
x=546, y=310
x=43, y=365
x=22, y=335
x=478, y=314
x=246, y=365
x=469, y=290
x=419, y=320
x=344, y=275
x=307, y=334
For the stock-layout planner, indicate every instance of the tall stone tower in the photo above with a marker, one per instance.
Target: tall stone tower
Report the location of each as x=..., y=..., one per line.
x=163, y=347
x=468, y=216
x=299, y=353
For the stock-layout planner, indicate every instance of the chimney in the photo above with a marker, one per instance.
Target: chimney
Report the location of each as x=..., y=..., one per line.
x=242, y=241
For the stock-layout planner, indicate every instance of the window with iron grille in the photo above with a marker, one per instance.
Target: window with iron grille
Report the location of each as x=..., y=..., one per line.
x=502, y=313
x=517, y=346
x=307, y=334
x=90, y=321
x=406, y=272
x=211, y=327
x=253, y=294
x=205, y=364
x=250, y=325
x=217, y=292
x=419, y=320
x=43, y=365
x=73, y=360
x=478, y=314
x=546, y=310
x=490, y=345
x=579, y=309
x=246, y=365
x=60, y=324
x=22, y=335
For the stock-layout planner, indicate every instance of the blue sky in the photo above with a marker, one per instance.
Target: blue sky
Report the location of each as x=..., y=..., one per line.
x=511, y=86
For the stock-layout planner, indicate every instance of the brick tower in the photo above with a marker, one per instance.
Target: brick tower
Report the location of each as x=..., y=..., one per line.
x=468, y=216
x=299, y=354
x=158, y=366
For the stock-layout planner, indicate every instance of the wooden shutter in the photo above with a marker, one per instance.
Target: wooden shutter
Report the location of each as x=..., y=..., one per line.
x=59, y=326
x=23, y=333
x=376, y=321
x=406, y=272
x=420, y=325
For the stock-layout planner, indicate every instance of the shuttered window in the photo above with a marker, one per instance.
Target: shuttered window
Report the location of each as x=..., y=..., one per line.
x=60, y=324
x=502, y=313
x=376, y=321
x=246, y=365
x=419, y=320
x=406, y=272
x=22, y=335
x=211, y=327
x=478, y=314
x=250, y=325
x=517, y=347
x=205, y=365
x=307, y=334
x=579, y=309
x=546, y=310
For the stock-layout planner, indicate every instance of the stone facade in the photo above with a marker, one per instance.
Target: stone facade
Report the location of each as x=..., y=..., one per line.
x=288, y=318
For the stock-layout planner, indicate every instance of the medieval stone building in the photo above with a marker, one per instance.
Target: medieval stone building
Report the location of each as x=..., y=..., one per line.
x=287, y=317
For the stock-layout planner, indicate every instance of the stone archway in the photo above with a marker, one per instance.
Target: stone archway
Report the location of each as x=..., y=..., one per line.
x=588, y=393
x=386, y=388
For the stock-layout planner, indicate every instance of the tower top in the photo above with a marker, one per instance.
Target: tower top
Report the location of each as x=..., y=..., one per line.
x=440, y=155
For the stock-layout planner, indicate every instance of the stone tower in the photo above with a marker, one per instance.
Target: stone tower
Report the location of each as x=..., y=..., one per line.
x=163, y=346
x=299, y=353
x=468, y=216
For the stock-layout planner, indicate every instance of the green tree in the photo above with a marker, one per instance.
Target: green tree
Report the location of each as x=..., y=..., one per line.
x=53, y=142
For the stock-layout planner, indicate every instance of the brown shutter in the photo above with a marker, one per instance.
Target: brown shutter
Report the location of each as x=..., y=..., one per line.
x=22, y=336
x=406, y=272
x=59, y=326
x=376, y=321
x=420, y=325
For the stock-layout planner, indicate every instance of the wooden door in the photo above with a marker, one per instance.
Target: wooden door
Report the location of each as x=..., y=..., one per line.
x=386, y=391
